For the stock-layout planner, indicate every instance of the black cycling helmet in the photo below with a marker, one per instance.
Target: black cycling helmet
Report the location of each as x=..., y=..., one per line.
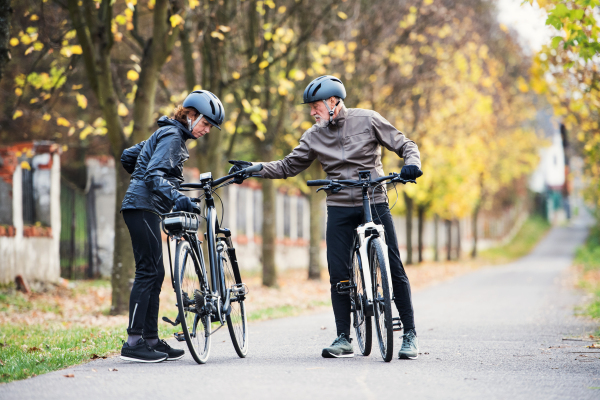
x=323, y=88
x=207, y=105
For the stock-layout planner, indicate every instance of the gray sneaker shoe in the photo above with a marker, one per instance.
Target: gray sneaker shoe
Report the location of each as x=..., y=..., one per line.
x=341, y=347
x=410, y=346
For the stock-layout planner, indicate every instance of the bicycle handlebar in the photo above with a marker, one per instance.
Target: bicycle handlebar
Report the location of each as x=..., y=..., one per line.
x=246, y=173
x=327, y=182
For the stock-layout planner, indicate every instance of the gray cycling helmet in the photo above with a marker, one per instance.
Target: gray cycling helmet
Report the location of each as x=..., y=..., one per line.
x=323, y=88
x=207, y=105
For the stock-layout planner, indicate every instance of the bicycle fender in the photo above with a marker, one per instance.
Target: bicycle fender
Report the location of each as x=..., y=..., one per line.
x=384, y=247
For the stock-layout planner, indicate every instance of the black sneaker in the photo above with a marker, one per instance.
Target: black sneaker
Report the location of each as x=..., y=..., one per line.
x=163, y=347
x=341, y=347
x=141, y=352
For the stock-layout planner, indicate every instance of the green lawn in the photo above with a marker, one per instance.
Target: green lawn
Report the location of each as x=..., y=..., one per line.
x=588, y=257
x=532, y=231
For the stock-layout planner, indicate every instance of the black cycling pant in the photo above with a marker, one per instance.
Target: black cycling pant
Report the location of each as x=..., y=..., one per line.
x=341, y=223
x=144, y=229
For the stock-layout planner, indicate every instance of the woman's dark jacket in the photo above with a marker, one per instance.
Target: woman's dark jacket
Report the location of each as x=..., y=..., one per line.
x=156, y=166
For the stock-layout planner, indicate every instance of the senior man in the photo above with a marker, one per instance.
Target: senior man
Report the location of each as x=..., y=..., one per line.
x=345, y=141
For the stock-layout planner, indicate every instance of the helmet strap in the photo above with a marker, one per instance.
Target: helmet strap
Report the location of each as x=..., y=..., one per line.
x=191, y=125
x=331, y=110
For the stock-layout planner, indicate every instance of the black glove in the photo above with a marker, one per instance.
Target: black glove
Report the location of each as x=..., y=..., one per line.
x=410, y=172
x=183, y=204
x=238, y=165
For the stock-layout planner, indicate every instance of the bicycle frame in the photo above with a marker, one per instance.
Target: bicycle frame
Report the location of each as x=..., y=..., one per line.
x=365, y=233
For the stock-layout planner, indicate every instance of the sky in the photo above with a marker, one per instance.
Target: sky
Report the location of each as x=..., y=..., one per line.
x=529, y=22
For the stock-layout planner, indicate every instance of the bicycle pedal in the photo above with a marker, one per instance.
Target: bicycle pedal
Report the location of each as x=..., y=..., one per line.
x=179, y=336
x=344, y=287
x=397, y=324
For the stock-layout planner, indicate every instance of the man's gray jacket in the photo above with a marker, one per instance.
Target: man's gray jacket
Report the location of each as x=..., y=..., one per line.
x=351, y=143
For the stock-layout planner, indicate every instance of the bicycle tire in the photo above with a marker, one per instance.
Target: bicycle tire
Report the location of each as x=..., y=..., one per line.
x=188, y=280
x=362, y=323
x=382, y=302
x=237, y=320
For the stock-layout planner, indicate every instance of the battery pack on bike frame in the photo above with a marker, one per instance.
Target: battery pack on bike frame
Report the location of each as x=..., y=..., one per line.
x=179, y=222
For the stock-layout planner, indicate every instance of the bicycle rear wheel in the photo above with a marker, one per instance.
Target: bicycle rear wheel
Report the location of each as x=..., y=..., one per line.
x=237, y=322
x=189, y=289
x=362, y=322
x=382, y=303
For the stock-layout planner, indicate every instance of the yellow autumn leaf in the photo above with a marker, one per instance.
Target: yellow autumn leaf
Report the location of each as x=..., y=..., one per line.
x=46, y=117
x=76, y=49
x=306, y=125
x=14, y=42
x=263, y=64
x=132, y=75
x=175, y=20
x=18, y=91
x=25, y=165
x=193, y=3
x=224, y=28
x=218, y=35
x=229, y=98
x=122, y=110
x=61, y=121
x=17, y=114
x=342, y=15
x=81, y=100
x=235, y=75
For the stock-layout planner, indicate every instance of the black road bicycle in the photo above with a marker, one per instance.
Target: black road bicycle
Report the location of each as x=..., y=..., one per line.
x=370, y=284
x=206, y=298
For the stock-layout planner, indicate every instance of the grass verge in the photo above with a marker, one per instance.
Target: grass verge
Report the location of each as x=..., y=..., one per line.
x=532, y=231
x=587, y=258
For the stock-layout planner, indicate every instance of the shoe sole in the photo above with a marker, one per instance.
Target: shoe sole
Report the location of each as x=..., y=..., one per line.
x=405, y=357
x=125, y=358
x=327, y=354
x=175, y=358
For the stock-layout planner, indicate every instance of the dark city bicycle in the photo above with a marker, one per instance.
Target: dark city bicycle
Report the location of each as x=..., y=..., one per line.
x=370, y=284
x=205, y=298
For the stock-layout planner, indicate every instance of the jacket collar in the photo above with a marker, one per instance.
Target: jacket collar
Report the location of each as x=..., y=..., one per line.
x=340, y=119
x=185, y=133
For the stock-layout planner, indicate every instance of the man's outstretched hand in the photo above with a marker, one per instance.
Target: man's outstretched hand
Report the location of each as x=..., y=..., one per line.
x=410, y=172
x=238, y=165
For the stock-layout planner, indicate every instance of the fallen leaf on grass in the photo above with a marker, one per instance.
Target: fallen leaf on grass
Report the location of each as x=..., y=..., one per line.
x=69, y=376
x=594, y=346
x=1, y=362
x=96, y=356
x=113, y=369
x=32, y=349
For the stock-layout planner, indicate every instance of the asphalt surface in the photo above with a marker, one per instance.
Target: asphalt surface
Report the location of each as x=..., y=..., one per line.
x=496, y=333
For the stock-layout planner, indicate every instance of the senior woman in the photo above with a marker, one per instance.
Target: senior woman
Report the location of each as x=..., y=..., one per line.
x=156, y=166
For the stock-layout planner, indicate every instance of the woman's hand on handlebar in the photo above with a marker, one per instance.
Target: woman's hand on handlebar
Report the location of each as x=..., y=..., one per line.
x=184, y=204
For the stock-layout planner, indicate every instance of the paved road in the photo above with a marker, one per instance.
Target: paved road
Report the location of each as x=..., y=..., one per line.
x=495, y=333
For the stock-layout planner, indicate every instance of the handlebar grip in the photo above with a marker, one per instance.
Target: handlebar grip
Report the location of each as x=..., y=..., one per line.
x=318, y=182
x=191, y=185
x=254, y=168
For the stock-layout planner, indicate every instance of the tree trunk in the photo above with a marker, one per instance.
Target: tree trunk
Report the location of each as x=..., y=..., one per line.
x=268, y=233
x=421, y=215
x=123, y=261
x=5, y=14
x=458, y=243
x=314, y=199
x=448, y=240
x=475, y=233
x=409, y=211
x=436, y=245
x=187, y=55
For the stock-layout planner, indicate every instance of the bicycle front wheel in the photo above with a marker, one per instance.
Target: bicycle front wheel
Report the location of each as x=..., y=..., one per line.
x=237, y=322
x=189, y=288
x=362, y=321
x=382, y=303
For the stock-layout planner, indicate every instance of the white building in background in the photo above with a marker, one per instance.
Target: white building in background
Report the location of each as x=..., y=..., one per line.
x=549, y=179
